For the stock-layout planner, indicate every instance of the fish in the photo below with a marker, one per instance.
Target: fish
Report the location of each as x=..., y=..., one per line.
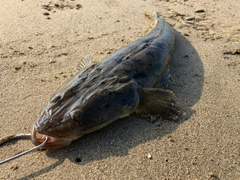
x=124, y=83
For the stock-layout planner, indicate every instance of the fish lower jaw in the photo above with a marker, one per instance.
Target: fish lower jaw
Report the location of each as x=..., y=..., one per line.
x=52, y=142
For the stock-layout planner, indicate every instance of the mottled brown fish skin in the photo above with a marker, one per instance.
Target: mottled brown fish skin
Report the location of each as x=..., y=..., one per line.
x=123, y=83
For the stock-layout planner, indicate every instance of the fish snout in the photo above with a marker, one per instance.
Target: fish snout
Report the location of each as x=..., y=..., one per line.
x=52, y=142
x=37, y=138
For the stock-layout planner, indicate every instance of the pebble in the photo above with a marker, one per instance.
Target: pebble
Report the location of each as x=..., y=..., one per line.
x=149, y=156
x=51, y=61
x=200, y=11
x=14, y=167
x=212, y=175
x=46, y=14
x=190, y=18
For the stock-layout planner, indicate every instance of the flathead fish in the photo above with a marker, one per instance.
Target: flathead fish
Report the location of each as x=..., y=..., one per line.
x=124, y=83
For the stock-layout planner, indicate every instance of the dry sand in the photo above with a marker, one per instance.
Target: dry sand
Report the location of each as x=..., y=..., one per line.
x=41, y=45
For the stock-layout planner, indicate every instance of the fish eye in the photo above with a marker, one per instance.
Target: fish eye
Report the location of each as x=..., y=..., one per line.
x=56, y=99
x=76, y=114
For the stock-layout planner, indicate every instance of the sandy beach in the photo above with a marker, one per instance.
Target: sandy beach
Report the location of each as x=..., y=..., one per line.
x=41, y=45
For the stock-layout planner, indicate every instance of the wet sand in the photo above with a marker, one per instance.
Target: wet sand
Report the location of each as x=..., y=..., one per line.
x=41, y=45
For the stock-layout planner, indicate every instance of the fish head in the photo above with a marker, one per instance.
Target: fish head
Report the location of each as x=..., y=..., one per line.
x=75, y=110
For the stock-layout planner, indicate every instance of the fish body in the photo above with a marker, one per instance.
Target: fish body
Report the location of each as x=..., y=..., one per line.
x=123, y=83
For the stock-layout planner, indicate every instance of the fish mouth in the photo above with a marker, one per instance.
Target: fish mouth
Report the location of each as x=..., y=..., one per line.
x=52, y=142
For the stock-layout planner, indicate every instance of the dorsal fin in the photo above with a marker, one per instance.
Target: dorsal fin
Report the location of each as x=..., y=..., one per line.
x=85, y=63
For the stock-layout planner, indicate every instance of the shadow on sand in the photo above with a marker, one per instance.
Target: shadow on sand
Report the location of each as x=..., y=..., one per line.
x=187, y=75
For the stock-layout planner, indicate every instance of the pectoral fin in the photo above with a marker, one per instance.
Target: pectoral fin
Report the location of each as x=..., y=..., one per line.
x=158, y=101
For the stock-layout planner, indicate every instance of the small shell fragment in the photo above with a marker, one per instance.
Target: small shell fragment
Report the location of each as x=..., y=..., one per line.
x=149, y=156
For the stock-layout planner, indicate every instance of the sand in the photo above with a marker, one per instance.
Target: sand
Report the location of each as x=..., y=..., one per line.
x=41, y=45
